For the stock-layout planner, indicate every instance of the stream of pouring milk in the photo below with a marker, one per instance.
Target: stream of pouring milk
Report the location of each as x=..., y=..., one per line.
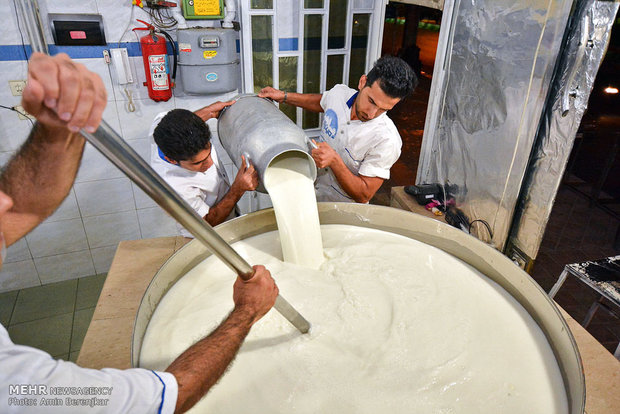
x=288, y=181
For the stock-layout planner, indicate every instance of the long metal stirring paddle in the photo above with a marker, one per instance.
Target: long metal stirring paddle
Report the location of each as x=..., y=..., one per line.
x=114, y=148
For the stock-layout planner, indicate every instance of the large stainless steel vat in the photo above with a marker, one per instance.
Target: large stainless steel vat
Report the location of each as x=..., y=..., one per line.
x=455, y=242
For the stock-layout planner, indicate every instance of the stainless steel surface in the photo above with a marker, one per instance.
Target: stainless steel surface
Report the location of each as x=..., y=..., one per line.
x=29, y=11
x=585, y=48
x=256, y=128
x=455, y=242
x=114, y=148
x=495, y=60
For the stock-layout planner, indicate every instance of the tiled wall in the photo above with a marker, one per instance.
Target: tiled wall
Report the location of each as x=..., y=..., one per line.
x=103, y=207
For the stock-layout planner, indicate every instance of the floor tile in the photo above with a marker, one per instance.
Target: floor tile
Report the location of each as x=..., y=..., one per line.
x=52, y=335
x=88, y=291
x=7, y=303
x=44, y=301
x=80, y=326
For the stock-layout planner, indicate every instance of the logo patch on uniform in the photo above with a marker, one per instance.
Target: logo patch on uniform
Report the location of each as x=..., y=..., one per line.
x=330, y=123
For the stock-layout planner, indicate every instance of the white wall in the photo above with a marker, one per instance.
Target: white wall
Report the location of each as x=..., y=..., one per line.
x=103, y=207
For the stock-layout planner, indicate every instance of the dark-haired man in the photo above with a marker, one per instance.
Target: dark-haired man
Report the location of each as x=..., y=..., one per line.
x=182, y=153
x=359, y=143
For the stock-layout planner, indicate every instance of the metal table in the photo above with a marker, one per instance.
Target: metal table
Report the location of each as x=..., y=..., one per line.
x=603, y=276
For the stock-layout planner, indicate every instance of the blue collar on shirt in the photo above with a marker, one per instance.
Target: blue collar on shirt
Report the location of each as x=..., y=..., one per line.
x=352, y=99
x=162, y=156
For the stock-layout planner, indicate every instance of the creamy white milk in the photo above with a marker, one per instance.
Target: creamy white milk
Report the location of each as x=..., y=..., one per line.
x=290, y=186
x=397, y=327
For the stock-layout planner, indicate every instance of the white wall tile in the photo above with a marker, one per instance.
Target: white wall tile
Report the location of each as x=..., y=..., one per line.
x=136, y=125
x=103, y=257
x=142, y=147
x=141, y=199
x=95, y=166
x=71, y=6
x=10, y=28
x=18, y=251
x=102, y=69
x=14, y=131
x=57, y=237
x=154, y=222
x=64, y=266
x=116, y=15
x=104, y=197
x=67, y=210
x=109, y=229
x=18, y=275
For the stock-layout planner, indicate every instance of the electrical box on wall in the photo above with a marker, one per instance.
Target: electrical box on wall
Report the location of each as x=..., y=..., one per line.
x=203, y=9
x=77, y=29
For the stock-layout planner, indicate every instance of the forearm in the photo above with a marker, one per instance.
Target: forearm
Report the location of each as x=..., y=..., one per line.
x=309, y=101
x=361, y=189
x=201, y=366
x=37, y=192
x=218, y=213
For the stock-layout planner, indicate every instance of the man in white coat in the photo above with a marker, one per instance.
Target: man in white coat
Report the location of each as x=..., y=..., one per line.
x=359, y=143
x=182, y=153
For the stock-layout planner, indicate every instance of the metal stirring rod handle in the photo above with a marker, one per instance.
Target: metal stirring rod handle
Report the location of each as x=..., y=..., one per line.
x=115, y=149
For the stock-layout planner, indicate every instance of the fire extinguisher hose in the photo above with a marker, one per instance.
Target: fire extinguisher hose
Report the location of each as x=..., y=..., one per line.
x=174, y=54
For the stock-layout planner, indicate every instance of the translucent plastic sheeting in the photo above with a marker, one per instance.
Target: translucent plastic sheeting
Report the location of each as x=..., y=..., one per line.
x=494, y=66
x=590, y=30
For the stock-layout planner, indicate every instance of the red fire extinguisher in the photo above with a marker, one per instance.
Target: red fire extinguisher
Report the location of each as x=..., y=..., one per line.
x=155, y=58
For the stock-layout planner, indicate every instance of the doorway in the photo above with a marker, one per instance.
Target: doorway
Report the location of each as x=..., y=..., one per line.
x=412, y=33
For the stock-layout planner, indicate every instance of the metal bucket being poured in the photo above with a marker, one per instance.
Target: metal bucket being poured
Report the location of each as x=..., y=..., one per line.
x=255, y=128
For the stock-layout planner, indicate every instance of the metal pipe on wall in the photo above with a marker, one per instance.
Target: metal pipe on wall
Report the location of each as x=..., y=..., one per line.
x=29, y=10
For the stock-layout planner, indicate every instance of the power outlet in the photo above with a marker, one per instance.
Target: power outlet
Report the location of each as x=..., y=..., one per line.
x=21, y=112
x=17, y=87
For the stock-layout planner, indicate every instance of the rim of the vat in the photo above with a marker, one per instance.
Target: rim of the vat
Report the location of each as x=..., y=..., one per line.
x=427, y=230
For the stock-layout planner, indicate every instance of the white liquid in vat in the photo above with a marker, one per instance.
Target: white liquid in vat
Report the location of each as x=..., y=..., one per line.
x=290, y=186
x=397, y=327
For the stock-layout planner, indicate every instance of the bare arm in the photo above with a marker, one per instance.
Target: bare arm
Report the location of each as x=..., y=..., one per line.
x=246, y=180
x=359, y=187
x=309, y=101
x=213, y=110
x=64, y=97
x=201, y=366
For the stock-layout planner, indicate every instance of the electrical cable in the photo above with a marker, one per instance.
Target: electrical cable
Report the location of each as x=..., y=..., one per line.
x=19, y=112
x=127, y=27
x=486, y=225
x=174, y=55
x=159, y=19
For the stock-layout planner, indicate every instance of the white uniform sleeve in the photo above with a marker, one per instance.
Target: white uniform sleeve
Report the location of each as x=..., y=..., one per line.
x=380, y=158
x=31, y=381
x=194, y=198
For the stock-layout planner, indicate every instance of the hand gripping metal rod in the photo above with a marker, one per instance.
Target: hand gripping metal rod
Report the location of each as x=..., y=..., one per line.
x=114, y=148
